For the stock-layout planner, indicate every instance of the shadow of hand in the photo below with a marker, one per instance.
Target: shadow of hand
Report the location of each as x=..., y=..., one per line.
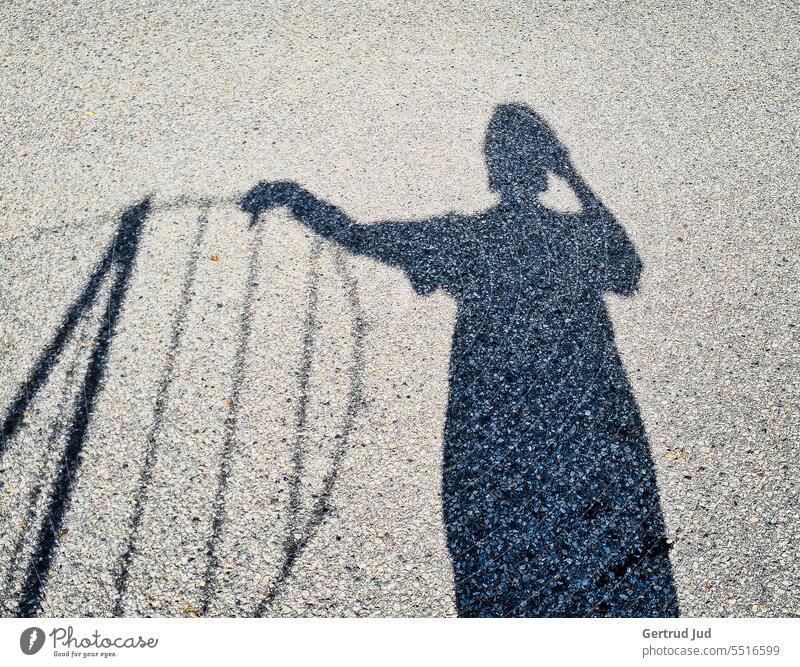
x=266, y=195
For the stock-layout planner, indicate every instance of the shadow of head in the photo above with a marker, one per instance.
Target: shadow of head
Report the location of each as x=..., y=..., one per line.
x=520, y=149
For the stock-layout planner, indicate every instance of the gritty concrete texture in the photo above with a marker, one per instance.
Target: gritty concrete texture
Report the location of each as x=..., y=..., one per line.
x=218, y=406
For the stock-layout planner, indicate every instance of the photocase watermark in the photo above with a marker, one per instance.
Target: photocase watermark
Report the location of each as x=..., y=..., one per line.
x=31, y=640
x=68, y=644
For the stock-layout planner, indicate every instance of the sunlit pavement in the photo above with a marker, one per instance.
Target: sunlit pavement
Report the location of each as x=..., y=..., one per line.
x=216, y=411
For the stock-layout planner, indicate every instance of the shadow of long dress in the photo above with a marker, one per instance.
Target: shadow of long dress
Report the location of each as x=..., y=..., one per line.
x=550, y=499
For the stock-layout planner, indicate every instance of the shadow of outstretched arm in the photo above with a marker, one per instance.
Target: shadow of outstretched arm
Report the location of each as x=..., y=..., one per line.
x=323, y=218
x=411, y=246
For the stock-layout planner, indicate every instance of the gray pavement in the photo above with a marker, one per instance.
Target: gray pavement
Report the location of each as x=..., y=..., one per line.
x=207, y=417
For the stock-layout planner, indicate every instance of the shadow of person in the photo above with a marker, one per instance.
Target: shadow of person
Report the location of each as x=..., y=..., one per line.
x=550, y=500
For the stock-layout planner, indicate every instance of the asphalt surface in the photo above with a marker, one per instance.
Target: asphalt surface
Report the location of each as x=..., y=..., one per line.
x=220, y=398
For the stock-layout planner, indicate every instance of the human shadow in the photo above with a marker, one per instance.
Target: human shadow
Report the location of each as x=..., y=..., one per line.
x=550, y=500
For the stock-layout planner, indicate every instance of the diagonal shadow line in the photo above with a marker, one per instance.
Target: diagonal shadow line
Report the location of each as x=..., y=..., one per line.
x=120, y=256
x=57, y=428
x=122, y=575
x=47, y=359
x=231, y=423
x=291, y=545
x=294, y=546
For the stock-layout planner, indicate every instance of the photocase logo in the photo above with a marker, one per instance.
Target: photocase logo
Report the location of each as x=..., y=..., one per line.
x=31, y=640
x=67, y=644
